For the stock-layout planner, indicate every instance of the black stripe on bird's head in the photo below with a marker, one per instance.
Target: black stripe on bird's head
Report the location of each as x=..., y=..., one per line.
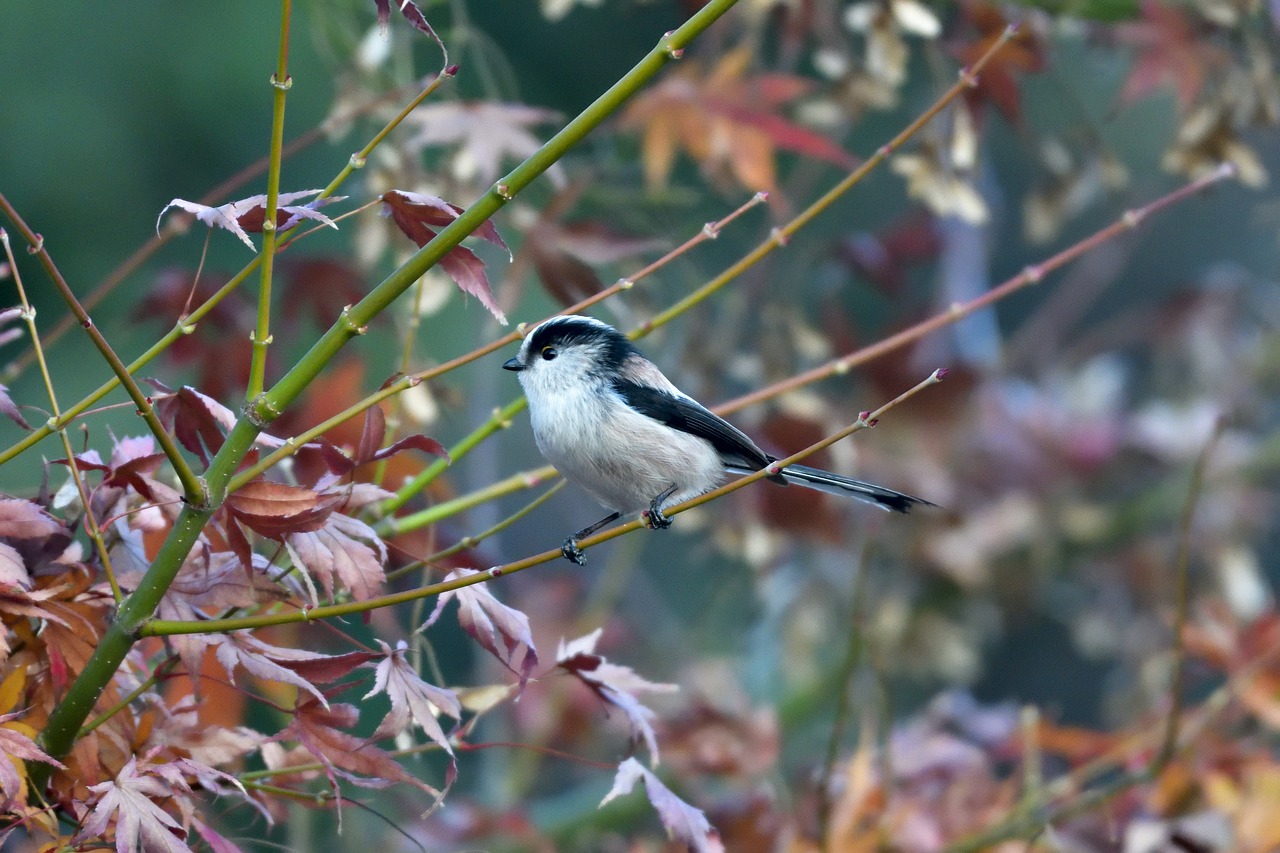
x=549, y=339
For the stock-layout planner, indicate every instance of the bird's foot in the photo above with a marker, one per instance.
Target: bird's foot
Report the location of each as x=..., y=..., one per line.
x=653, y=516
x=572, y=552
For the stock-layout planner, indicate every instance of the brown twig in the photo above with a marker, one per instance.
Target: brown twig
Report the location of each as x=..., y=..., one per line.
x=159, y=627
x=192, y=486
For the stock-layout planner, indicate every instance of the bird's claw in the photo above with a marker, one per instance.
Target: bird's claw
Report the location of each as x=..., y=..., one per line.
x=572, y=552
x=654, y=517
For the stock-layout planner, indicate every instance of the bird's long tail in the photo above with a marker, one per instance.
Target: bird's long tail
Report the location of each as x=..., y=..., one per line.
x=826, y=481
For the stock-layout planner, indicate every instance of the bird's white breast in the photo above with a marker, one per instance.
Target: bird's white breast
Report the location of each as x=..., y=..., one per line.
x=622, y=458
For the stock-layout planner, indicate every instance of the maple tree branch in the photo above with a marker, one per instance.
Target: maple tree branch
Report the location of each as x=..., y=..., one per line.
x=281, y=83
x=186, y=325
x=92, y=528
x=1182, y=601
x=1033, y=274
x=708, y=232
x=67, y=716
x=474, y=539
x=168, y=627
x=779, y=237
x=193, y=487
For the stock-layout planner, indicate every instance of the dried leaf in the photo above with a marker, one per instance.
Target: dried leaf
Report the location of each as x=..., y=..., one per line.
x=276, y=509
x=247, y=214
x=10, y=409
x=140, y=824
x=502, y=630
x=418, y=216
x=411, y=13
x=683, y=822
x=270, y=663
x=317, y=729
x=486, y=134
x=411, y=697
x=615, y=685
x=998, y=82
x=21, y=519
x=1171, y=51
x=727, y=121
x=344, y=548
x=324, y=286
x=20, y=747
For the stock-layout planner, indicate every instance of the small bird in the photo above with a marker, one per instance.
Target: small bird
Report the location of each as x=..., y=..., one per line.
x=609, y=420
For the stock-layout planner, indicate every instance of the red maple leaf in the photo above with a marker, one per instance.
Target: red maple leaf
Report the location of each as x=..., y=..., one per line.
x=420, y=216
x=1172, y=51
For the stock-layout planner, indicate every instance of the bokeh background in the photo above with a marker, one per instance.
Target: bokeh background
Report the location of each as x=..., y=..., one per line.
x=1059, y=451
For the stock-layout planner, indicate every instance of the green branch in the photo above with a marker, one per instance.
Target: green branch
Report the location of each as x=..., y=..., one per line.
x=193, y=488
x=78, y=702
x=187, y=325
x=164, y=627
x=281, y=83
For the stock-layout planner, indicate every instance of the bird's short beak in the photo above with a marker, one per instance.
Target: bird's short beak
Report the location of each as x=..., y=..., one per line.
x=513, y=364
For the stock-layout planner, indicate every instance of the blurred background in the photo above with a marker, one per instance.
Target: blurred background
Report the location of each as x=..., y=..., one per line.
x=1059, y=451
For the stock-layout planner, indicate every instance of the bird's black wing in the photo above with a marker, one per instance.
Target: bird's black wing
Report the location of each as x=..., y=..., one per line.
x=687, y=416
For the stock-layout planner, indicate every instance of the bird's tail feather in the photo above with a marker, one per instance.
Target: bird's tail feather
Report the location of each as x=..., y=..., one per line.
x=826, y=481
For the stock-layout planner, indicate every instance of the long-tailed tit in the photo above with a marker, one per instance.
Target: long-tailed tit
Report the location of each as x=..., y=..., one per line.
x=610, y=422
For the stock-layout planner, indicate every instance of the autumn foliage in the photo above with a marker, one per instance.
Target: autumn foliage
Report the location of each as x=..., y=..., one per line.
x=291, y=593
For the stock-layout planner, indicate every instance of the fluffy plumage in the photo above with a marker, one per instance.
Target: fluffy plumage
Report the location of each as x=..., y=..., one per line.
x=613, y=424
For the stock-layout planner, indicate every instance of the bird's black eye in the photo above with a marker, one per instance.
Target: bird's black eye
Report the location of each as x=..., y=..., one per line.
x=549, y=353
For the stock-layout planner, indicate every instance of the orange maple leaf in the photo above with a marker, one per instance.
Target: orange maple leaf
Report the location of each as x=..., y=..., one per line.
x=726, y=120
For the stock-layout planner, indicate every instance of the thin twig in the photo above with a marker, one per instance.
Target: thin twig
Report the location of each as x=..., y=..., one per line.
x=474, y=539
x=187, y=324
x=501, y=417
x=1182, y=602
x=92, y=527
x=192, y=486
x=1033, y=274
x=161, y=627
